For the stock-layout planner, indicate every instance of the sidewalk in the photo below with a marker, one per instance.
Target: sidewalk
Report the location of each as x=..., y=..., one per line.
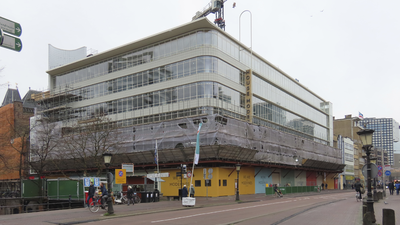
x=82, y=215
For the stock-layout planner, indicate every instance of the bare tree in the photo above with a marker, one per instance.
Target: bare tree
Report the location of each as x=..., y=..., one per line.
x=44, y=140
x=85, y=143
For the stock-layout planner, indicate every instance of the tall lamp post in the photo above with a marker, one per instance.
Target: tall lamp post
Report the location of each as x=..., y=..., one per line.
x=237, y=188
x=107, y=159
x=366, y=139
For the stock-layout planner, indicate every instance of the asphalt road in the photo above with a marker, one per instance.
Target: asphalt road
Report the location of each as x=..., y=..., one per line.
x=335, y=208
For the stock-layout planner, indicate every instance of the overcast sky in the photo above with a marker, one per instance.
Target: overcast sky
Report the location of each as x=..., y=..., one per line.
x=345, y=51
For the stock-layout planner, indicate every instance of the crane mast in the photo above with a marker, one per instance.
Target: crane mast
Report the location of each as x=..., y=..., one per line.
x=216, y=7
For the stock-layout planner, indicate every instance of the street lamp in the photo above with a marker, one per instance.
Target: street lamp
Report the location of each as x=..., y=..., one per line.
x=237, y=189
x=107, y=159
x=366, y=139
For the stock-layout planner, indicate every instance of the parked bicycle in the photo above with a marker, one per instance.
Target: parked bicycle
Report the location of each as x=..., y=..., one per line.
x=96, y=204
x=136, y=198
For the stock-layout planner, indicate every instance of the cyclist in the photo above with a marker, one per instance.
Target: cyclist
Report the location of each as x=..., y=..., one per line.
x=277, y=191
x=92, y=190
x=358, y=187
x=104, y=194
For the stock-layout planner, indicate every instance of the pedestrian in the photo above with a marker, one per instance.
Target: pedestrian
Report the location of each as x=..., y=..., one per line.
x=130, y=195
x=191, y=191
x=397, y=187
x=322, y=186
x=184, y=191
x=352, y=186
x=91, y=193
x=344, y=186
x=326, y=186
x=391, y=187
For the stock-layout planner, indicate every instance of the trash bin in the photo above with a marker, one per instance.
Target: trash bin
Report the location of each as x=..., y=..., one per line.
x=144, y=197
x=156, y=195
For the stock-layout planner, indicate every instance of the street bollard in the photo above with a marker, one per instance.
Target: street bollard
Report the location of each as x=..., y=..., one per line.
x=388, y=217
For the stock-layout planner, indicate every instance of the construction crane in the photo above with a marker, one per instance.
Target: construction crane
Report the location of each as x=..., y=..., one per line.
x=216, y=7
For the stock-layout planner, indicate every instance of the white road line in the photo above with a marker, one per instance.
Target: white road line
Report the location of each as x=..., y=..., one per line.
x=227, y=210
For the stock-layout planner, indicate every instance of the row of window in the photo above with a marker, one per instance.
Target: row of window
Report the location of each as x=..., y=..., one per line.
x=139, y=56
x=202, y=64
x=277, y=96
x=284, y=118
x=192, y=91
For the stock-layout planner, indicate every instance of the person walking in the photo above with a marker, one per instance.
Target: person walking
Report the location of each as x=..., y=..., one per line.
x=91, y=193
x=184, y=191
x=397, y=185
x=391, y=187
x=322, y=186
x=326, y=186
x=344, y=186
x=130, y=195
x=191, y=191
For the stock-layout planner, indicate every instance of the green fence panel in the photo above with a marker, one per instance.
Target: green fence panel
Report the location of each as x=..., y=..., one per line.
x=52, y=189
x=282, y=189
x=292, y=189
x=269, y=190
x=31, y=189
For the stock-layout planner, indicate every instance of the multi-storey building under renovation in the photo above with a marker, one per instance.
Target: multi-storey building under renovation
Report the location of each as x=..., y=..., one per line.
x=158, y=90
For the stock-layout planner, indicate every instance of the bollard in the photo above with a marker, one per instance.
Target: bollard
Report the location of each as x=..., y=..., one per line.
x=380, y=195
x=364, y=208
x=388, y=217
x=69, y=201
x=367, y=219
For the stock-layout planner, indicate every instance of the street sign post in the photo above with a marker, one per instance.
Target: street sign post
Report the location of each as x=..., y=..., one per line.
x=12, y=43
x=10, y=27
x=387, y=173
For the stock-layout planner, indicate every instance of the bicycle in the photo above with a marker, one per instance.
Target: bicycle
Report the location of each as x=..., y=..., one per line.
x=136, y=198
x=95, y=205
x=358, y=196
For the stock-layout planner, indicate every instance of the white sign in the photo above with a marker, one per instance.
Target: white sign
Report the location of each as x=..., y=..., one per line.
x=189, y=174
x=154, y=175
x=387, y=167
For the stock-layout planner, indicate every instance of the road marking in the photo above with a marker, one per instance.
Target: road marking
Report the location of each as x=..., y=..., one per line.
x=227, y=210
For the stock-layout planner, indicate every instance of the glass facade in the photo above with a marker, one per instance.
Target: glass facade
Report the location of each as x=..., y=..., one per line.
x=279, y=116
x=176, y=94
x=190, y=67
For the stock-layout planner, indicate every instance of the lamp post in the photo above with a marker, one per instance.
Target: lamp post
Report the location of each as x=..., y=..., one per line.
x=237, y=189
x=366, y=139
x=107, y=159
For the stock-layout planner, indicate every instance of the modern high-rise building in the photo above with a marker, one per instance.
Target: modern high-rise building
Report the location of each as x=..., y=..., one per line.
x=386, y=133
x=160, y=88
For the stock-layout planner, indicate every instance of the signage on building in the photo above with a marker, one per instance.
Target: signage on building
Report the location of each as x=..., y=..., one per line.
x=249, y=96
x=120, y=176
